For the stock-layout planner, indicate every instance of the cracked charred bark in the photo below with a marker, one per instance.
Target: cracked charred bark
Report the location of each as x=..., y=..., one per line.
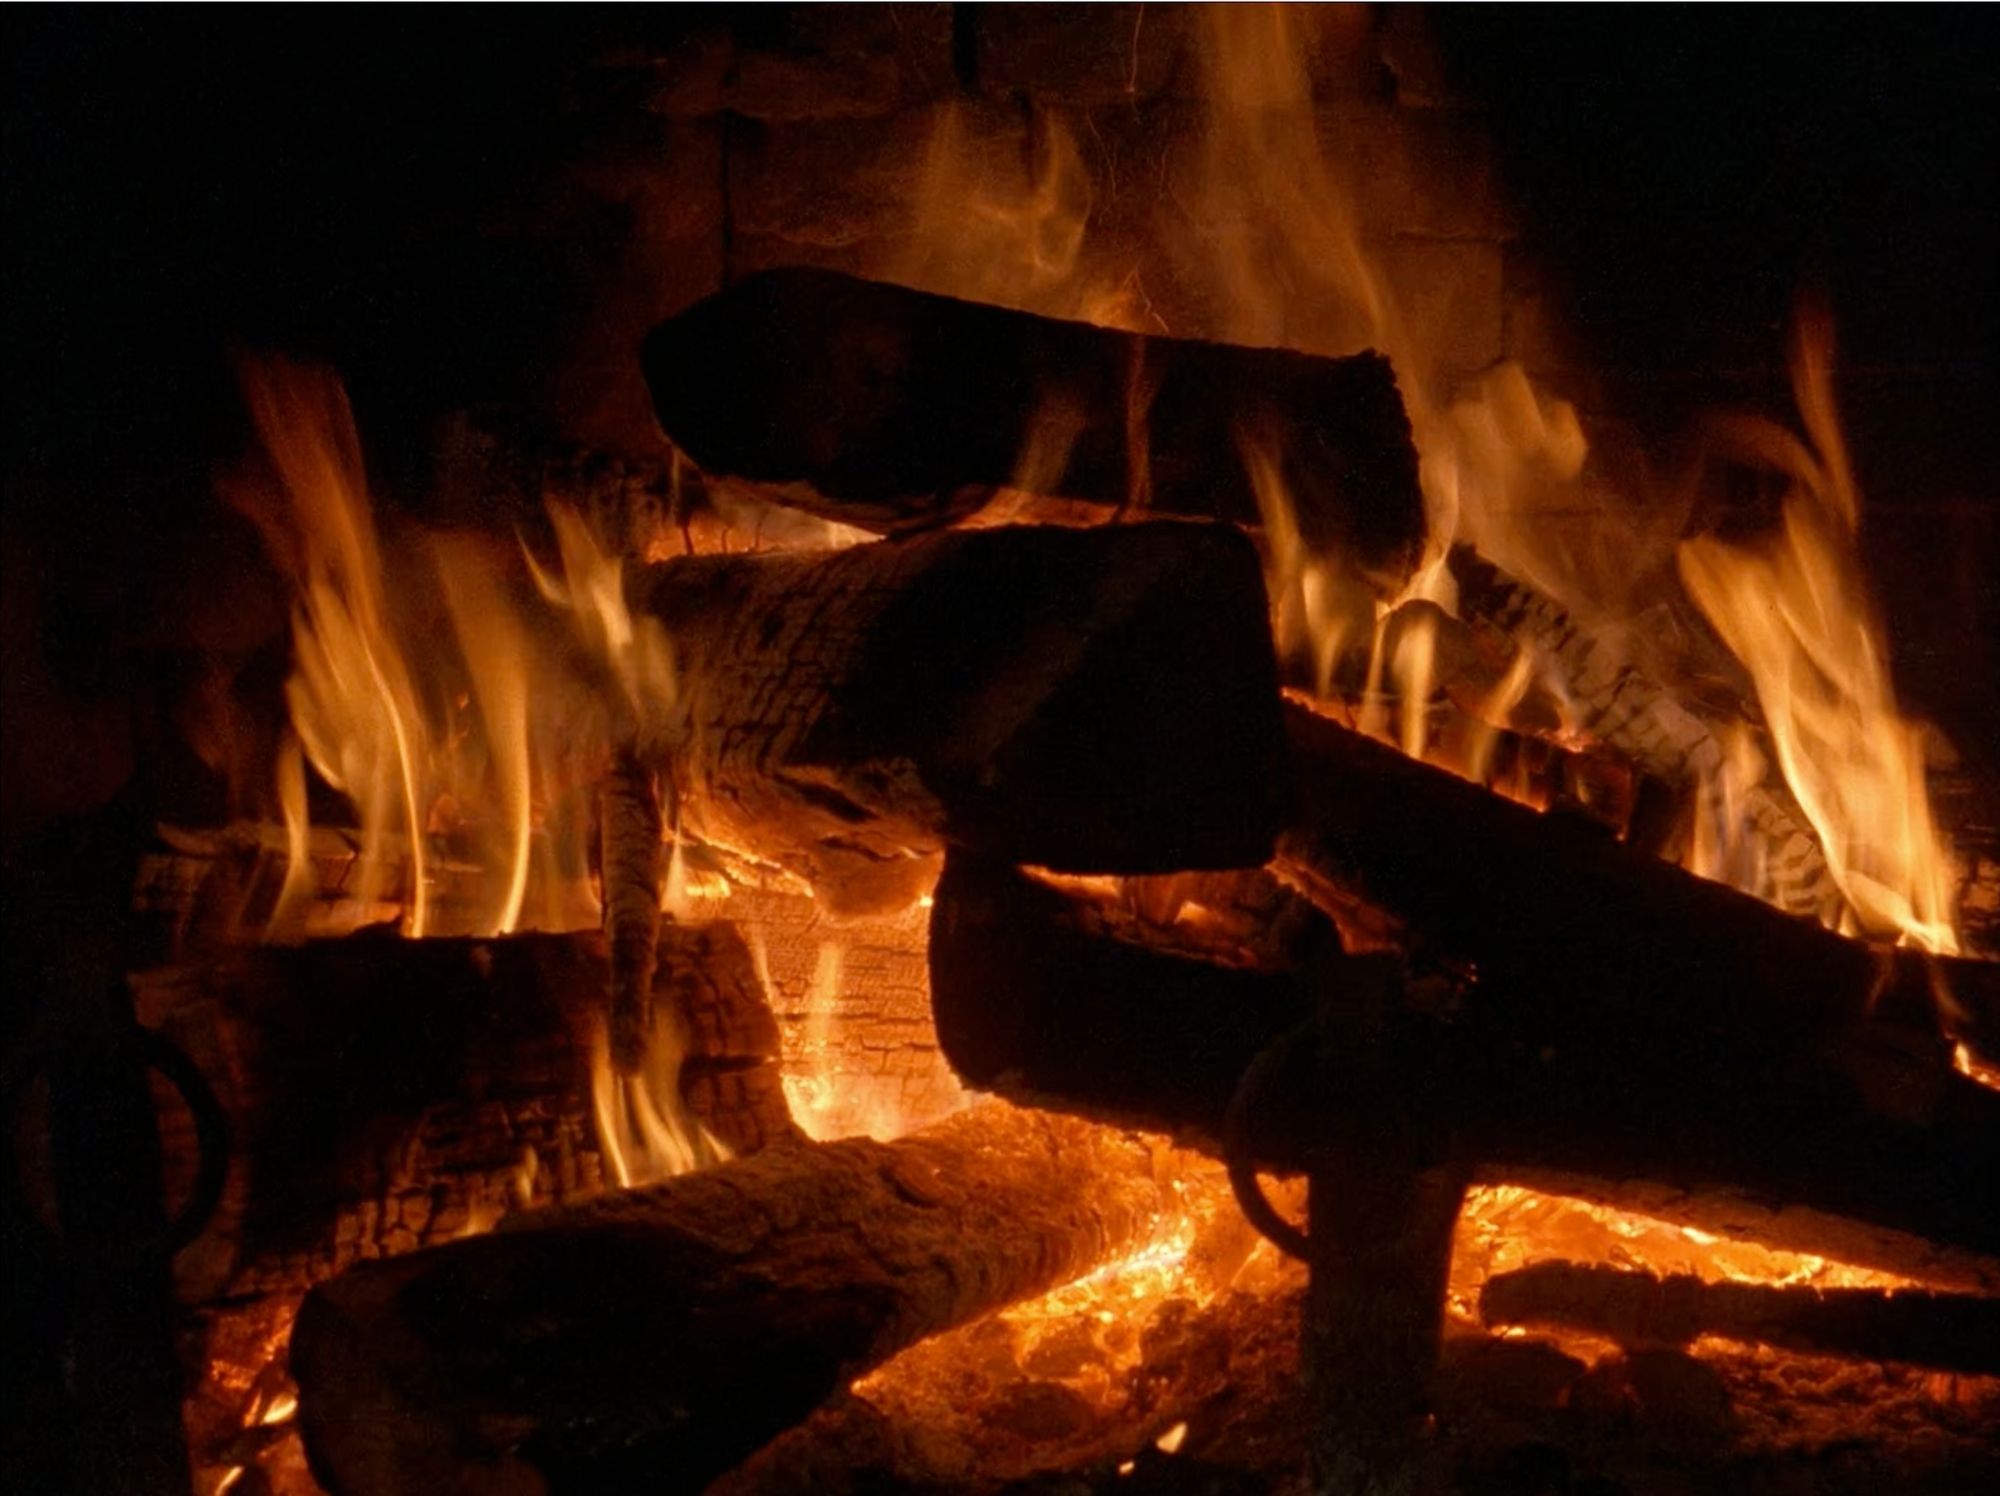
x=652, y=1339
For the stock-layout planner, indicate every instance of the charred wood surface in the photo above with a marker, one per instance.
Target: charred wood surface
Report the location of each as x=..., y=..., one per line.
x=386, y=1094
x=890, y=408
x=1093, y=700
x=653, y=1339
x=1949, y=1331
x=1571, y=933
x=1034, y=1000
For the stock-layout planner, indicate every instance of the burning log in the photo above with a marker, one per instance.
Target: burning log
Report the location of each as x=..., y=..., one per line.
x=1625, y=709
x=1573, y=934
x=653, y=1339
x=1093, y=700
x=1949, y=1331
x=1725, y=1126
x=461, y=1086
x=891, y=409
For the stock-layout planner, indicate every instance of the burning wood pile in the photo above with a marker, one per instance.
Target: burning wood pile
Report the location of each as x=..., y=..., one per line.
x=1036, y=901
x=1170, y=891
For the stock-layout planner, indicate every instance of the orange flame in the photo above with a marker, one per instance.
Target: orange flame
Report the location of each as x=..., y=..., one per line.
x=469, y=750
x=353, y=702
x=1797, y=612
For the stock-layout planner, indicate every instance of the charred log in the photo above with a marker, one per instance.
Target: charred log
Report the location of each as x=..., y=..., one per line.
x=1572, y=933
x=1694, y=1122
x=655, y=1338
x=1093, y=700
x=1949, y=1331
x=386, y=1094
x=889, y=408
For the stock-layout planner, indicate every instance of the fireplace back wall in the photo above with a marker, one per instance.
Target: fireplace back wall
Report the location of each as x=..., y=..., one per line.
x=493, y=215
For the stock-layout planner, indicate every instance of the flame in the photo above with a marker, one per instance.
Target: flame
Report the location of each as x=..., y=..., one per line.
x=1796, y=610
x=643, y=1127
x=421, y=721
x=353, y=703
x=811, y=1089
x=466, y=718
x=1724, y=845
x=1498, y=708
x=999, y=224
x=465, y=711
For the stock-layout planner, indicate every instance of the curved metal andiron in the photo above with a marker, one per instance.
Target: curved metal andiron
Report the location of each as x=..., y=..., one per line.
x=1257, y=1081
x=152, y=1051
x=1383, y=1199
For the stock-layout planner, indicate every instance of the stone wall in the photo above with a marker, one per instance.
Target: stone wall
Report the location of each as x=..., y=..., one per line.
x=808, y=139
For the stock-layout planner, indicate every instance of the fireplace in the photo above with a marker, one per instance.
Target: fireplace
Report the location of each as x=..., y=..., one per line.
x=986, y=747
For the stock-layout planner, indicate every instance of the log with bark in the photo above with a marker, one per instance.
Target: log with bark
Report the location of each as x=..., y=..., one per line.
x=889, y=408
x=655, y=1338
x=1574, y=935
x=385, y=1094
x=1949, y=1331
x=1094, y=700
x=1725, y=1127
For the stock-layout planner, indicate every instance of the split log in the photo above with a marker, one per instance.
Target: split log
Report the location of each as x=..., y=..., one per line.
x=1092, y=700
x=655, y=1338
x=1036, y=1002
x=888, y=408
x=1949, y=1331
x=387, y=1094
x=1618, y=704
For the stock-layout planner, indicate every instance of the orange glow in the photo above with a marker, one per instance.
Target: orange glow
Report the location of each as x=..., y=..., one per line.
x=353, y=702
x=643, y=1127
x=412, y=699
x=466, y=721
x=1797, y=611
x=1504, y=1227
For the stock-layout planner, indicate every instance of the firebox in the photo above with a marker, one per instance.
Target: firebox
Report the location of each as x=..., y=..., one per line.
x=974, y=748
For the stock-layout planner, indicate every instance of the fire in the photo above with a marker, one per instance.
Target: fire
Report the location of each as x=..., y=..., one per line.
x=466, y=712
x=1797, y=611
x=643, y=1126
x=1276, y=243
x=354, y=705
x=465, y=735
x=414, y=669
x=990, y=227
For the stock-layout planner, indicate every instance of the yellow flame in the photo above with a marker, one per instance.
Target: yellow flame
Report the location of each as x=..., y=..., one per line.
x=592, y=591
x=1724, y=845
x=993, y=226
x=644, y=1130
x=353, y=703
x=496, y=654
x=298, y=884
x=1495, y=713
x=1796, y=610
x=465, y=719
